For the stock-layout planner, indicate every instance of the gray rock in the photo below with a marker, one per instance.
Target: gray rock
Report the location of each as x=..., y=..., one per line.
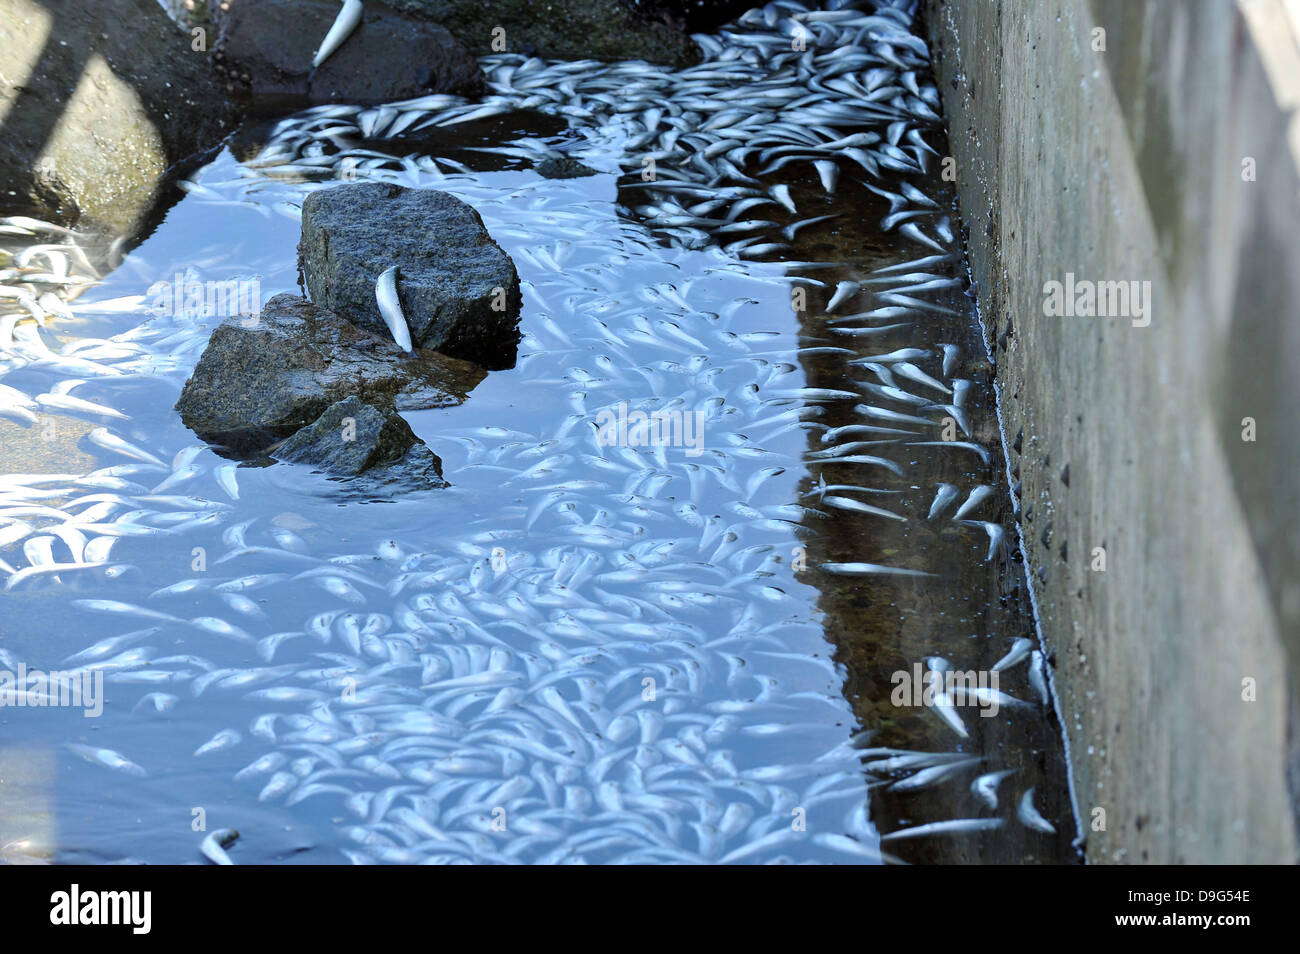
x=98, y=101
x=265, y=51
x=261, y=379
x=459, y=290
x=563, y=167
x=352, y=437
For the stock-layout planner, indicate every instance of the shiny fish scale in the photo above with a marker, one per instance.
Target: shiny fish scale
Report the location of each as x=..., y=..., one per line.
x=447, y=689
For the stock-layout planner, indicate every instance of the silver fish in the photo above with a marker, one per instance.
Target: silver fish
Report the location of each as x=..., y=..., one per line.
x=107, y=758
x=225, y=739
x=214, y=846
x=956, y=826
x=390, y=307
x=1029, y=816
x=985, y=788
x=346, y=21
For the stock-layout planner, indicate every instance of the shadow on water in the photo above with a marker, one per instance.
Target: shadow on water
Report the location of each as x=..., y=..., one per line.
x=972, y=608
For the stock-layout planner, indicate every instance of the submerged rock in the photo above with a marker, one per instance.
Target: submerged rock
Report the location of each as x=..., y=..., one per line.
x=262, y=378
x=458, y=289
x=563, y=167
x=99, y=100
x=265, y=50
x=352, y=437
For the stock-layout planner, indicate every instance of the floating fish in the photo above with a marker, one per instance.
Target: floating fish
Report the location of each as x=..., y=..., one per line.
x=214, y=846
x=1029, y=816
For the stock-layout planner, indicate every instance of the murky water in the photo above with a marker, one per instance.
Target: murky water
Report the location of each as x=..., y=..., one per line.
x=582, y=651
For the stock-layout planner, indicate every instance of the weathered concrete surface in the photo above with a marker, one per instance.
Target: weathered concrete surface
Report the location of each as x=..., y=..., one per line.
x=1127, y=164
x=97, y=102
x=265, y=50
x=261, y=378
x=458, y=289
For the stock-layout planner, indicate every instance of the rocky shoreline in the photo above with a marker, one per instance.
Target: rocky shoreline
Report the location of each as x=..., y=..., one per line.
x=96, y=123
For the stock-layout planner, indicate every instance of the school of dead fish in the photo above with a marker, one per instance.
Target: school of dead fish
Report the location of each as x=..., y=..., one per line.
x=501, y=674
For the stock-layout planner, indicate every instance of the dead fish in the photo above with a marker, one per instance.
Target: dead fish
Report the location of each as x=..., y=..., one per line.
x=104, y=438
x=66, y=402
x=157, y=701
x=782, y=195
x=956, y=826
x=225, y=475
x=870, y=569
x=214, y=846
x=390, y=307
x=1020, y=648
x=225, y=739
x=106, y=647
x=885, y=414
x=1029, y=816
x=977, y=496
x=344, y=24
x=789, y=232
x=128, y=609
x=935, y=775
x=107, y=758
x=914, y=232
x=985, y=788
x=950, y=354
x=946, y=494
x=846, y=503
x=829, y=173
x=261, y=766
x=843, y=292
x=220, y=627
x=902, y=354
x=946, y=709
x=995, y=533
x=1037, y=678
x=956, y=413
x=280, y=783
x=911, y=371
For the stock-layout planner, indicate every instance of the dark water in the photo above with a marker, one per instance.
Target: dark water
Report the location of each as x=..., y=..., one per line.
x=577, y=652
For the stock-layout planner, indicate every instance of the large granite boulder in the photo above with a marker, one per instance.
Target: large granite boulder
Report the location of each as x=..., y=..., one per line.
x=458, y=289
x=352, y=438
x=265, y=49
x=262, y=378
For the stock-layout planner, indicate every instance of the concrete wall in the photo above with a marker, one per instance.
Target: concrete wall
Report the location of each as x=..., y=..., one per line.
x=1127, y=164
